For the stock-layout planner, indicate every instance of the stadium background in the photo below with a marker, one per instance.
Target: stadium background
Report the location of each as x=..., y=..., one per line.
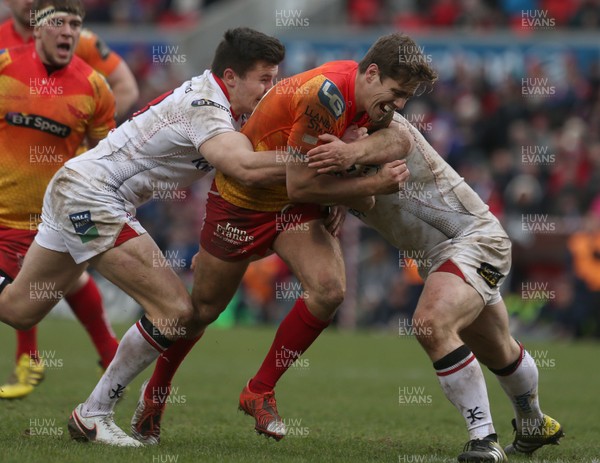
x=516, y=111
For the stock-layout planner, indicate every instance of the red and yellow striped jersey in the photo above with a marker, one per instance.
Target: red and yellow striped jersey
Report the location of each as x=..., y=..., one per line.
x=43, y=119
x=291, y=116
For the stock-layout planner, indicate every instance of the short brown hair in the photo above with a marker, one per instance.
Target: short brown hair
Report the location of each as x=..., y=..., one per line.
x=242, y=48
x=68, y=6
x=398, y=57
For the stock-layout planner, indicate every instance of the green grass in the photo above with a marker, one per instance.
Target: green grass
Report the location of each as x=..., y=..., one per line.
x=343, y=406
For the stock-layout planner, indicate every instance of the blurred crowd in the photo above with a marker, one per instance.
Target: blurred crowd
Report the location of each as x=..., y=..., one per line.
x=157, y=12
x=479, y=15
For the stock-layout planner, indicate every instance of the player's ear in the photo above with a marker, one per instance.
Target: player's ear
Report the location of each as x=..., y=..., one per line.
x=372, y=72
x=229, y=76
x=37, y=32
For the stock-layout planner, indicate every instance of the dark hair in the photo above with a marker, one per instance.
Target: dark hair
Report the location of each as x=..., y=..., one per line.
x=242, y=48
x=398, y=57
x=68, y=6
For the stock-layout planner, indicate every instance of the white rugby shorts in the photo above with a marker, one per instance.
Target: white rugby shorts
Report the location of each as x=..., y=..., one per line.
x=82, y=219
x=484, y=260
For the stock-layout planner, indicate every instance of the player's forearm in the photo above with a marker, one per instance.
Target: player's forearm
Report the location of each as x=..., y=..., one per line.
x=326, y=189
x=261, y=168
x=385, y=145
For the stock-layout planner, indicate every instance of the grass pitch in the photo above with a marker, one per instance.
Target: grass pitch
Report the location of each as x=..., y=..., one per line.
x=360, y=397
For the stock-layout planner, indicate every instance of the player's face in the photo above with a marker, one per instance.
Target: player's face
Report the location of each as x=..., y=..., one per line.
x=56, y=39
x=255, y=84
x=20, y=10
x=385, y=95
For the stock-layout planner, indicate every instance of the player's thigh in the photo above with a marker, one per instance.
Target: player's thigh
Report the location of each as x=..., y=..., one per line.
x=45, y=277
x=137, y=268
x=215, y=282
x=447, y=304
x=488, y=336
x=315, y=257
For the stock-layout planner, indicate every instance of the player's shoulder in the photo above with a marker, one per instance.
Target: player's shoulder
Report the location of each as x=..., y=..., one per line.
x=90, y=43
x=339, y=67
x=5, y=59
x=203, y=91
x=94, y=51
x=327, y=86
x=340, y=73
x=79, y=68
x=87, y=77
x=16, y=56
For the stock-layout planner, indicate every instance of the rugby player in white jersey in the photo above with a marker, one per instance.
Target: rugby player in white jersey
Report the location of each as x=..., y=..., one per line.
x=464, y=255
x=89, y=213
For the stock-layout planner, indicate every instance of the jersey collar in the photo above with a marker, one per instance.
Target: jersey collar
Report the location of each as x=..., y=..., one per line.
x=223, y=87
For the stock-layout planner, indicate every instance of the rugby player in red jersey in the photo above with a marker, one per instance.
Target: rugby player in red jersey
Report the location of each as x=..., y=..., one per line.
x=244, y=222
x=56, y=102
x=84, y=299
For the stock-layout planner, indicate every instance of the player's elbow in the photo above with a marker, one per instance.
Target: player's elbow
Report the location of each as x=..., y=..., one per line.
x=252, y=178
x=402, y=143
x=126, y=95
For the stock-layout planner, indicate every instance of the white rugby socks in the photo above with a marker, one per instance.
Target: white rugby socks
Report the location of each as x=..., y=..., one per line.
x=463, y=384
x=140, y=346
x=520, y=382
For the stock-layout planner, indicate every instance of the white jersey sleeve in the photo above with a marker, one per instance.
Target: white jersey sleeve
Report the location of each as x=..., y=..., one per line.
x=158, y=148
x=434, y=205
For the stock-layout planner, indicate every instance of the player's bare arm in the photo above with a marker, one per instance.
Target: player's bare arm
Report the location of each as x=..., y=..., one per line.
x=306, y=185
x=383, y=146
x=123, y=84
x=232, y=154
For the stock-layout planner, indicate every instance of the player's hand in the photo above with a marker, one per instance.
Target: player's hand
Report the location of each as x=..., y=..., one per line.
x=392, y=177
x=335, y=219
x=354, y=133
x=333, y=156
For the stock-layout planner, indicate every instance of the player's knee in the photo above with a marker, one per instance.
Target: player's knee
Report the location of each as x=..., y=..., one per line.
x=329, y=294
x=429, y=329
x=19, y=322
x=182, y=319
x=194, y=326
x=205, y=318
x=206, y=312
